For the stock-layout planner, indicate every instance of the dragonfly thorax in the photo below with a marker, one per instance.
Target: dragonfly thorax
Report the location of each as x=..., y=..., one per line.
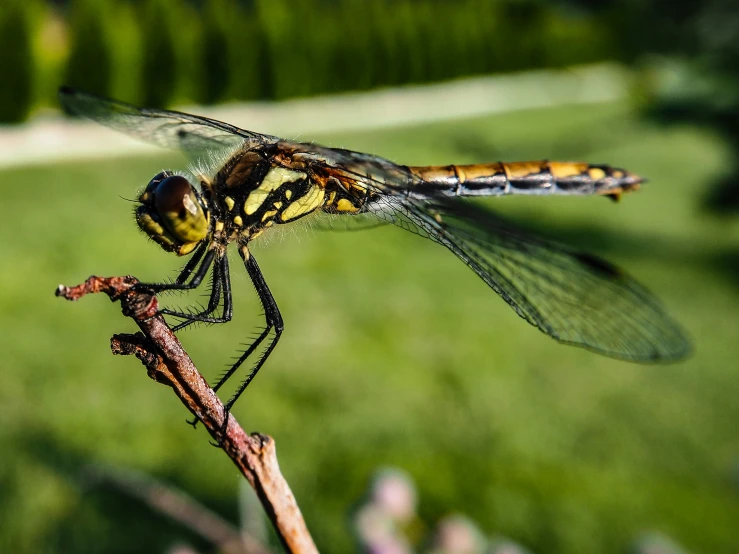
x=248, y=198
x=172, y=213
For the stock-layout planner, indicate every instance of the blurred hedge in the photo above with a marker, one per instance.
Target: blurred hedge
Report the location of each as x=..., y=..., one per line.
x=89, y=65
x=159, y=57
x=163, y=51
x=16, y=61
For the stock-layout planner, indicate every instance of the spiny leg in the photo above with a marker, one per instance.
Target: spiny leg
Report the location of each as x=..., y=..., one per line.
x=191, y=263
x=221, y=283
x=181, y=281
x=214, y=300
x=208, y=254
x=273, y=320
x=191, y=316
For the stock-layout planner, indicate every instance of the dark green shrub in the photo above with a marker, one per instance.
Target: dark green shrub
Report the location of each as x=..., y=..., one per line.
x=215, y=52
x=16, y=62
x=89, y=65
x=218, y=50
x=159, y=71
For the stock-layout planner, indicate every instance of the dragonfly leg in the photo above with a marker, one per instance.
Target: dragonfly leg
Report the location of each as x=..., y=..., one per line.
x=191, y=263
x=181, y=284
x=181, y=281
x=221, y=284
x=190, y=316
x=273, y=321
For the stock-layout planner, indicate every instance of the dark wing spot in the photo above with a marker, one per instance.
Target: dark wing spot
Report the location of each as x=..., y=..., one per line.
x=598, y=266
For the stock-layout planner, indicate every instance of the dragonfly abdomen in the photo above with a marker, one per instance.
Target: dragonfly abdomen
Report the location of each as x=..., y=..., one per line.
x=536, y=178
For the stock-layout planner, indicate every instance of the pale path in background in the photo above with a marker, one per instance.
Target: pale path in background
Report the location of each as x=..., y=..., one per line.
x=48, y=139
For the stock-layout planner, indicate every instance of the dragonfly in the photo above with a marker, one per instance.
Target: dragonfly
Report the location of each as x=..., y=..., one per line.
x=243, y=184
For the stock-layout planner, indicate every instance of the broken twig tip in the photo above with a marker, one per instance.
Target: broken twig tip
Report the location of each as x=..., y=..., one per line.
x=167, y=362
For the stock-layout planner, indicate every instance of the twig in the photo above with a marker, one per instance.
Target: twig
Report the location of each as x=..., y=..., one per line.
x=168, y=363
x=178, y=506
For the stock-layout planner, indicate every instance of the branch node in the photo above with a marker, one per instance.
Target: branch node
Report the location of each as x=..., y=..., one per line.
x=167, y=362
x=126, y=344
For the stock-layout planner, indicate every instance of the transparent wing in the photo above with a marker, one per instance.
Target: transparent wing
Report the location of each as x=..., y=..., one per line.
x=573, y=297
x=373, y=172
x=346, y=222
x=168, y=129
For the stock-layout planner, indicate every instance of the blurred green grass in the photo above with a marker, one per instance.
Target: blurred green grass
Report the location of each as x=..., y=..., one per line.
x=394, y=354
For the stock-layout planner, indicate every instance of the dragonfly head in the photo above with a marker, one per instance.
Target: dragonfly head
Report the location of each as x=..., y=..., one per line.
x=172, y=213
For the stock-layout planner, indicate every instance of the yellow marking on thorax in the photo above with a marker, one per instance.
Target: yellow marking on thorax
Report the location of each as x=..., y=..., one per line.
x=288, y=194
x=596, y=173
x=359, y=187
x=344, y=205
x=238, y=221
x=268, y=215
x=277, y=205
x=276, y=177
x=229, y=202
x=219, y=226
x=307, y=203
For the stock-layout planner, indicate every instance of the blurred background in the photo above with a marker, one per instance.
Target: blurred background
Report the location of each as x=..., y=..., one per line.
x=394, y=353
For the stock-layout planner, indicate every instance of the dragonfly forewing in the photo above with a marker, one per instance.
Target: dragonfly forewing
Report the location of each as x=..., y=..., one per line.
x=246, y=183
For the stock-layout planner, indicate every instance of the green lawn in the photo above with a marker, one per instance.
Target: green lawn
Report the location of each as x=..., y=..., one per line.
x=394, y=354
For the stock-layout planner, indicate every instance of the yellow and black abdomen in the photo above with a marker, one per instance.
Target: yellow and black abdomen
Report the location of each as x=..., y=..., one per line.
x=534, y=178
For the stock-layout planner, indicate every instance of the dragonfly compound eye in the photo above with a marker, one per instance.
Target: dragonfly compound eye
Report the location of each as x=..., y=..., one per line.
x=171, y=214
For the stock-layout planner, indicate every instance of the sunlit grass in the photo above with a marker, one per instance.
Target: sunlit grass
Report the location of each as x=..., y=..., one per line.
x=394, y=354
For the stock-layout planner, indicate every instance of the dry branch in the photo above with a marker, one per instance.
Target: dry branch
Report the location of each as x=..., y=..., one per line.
x=167, y=362
x=178, y=506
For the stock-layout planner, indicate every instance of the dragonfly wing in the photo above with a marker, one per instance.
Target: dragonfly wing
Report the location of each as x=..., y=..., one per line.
x=373, y=173
x=168, y=129
x=346, y=222
x=573, y=297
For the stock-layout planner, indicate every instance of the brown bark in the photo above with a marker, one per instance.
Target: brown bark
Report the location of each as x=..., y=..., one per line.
x=167, y=362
